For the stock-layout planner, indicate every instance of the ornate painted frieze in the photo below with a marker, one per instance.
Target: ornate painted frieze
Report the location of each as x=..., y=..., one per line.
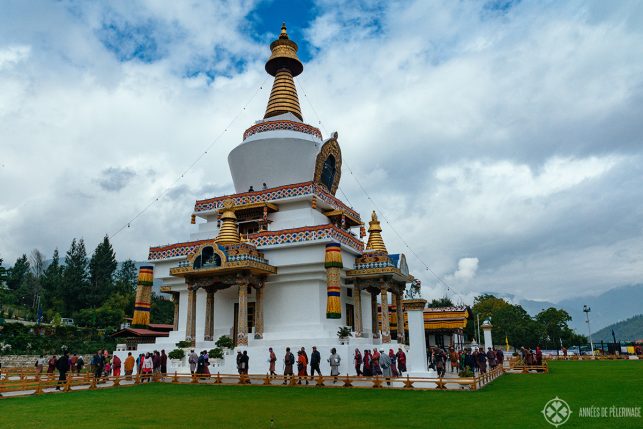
x=282, y=125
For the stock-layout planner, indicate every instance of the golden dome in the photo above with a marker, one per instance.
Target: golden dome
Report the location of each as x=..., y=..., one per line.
x=375, y=241
x=283, y=64
x=228, y=233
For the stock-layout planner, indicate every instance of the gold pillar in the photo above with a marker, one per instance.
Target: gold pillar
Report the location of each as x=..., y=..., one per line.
x=400, y=317
x=190, y=329
x=259, y=313
x=374, y=324
x=176, y=298
x=242, y=315
x=209, y=316
x=357, y=308
x=386, y=325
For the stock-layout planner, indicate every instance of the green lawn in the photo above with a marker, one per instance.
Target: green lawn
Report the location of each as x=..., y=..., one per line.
x=511, y=401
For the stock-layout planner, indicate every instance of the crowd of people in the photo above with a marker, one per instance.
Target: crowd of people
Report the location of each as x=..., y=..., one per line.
x=474, y=360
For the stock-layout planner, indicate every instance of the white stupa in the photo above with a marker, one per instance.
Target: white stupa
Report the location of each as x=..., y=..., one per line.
x=281, y=262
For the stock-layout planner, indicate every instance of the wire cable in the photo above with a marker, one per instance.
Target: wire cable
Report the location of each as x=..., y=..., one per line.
x=192, y=165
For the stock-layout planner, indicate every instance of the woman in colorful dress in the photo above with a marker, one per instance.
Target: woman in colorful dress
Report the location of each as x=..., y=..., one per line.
x=358, y=362
x=391, y=355
x=367, y=364
x=401, y=360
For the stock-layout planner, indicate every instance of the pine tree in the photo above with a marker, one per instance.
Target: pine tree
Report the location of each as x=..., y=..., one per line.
x=18, y=273
x=101, y=274
x=75, y=277
x=126, y=278
x=3, y=274
x=52, y=284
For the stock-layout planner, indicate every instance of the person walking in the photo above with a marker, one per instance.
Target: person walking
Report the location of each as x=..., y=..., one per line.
x=239, y=361
x=391, y=355
x=163, y=362
x=289, y=361
x=193, y=359
x=245, y=363
x=303, y=352
x=491, y=358
x=482, y=362
x=401, y=360
x=40, y=364
x=368, y=371
x=453, y=359
x=375, y=362
x=116, y=366
x=80, y=363
x=63, y=366
x=51, y=364
x=129, y=366
x=272, y=360
x=334, y=360
x=302, y=364
x=385, y=364
x=147, y=367
x=97, y=363
x=315, y=360
x=73, y=360
x=357, y=359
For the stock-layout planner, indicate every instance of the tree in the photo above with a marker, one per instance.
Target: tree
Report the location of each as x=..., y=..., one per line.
x=52, y=285
x=31, y=286
x=18, y=273
x=442, y=302
x=553, y=327
x=3, y=275
x=162, y=310
x=75, y=276
x=126, y=278
x=101, y=274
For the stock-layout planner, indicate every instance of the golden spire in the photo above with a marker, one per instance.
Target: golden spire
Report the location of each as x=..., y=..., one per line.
x=375, y=241
x=228, y=233
x=283, y=64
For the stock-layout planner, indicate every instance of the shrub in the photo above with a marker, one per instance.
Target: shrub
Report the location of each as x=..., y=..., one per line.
x=216, y=353
x=184, y=344
x=344, y=332
x=224, y=342
x=176, y=354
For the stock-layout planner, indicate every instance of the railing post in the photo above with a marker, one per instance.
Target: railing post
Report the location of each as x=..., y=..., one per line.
x=320, y=381
x=194, y=379
x=92, y=386
x=39, y=390
x=117, y=381
x=347, y=381
x=137, y=380
x=408, y=384
x=218, y=379
x=266, y=380
x=377, y=383
x=175, y=379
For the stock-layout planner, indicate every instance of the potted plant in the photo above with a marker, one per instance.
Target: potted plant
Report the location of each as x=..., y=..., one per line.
x=184, y=344
x=343, y=333
x=225, y=343
x=176, y=357
x=216, y=356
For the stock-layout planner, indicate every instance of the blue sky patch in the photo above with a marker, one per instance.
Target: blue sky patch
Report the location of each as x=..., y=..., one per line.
x=129, y=41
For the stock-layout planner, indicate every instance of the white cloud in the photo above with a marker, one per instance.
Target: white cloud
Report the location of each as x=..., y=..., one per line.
x=513, y=136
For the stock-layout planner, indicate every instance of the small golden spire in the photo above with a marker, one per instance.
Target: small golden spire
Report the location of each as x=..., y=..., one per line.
x=228, y=233
x=375, y=241
x=283, y=64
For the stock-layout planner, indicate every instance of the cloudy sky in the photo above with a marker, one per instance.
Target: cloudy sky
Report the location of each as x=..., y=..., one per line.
x=502, y=140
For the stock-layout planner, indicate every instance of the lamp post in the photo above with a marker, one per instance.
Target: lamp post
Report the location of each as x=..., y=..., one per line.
x=587, y=309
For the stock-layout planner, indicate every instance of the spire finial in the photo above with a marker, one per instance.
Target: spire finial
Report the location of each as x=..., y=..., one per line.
x=375, y=241
x=229, y=232
x=283, y=64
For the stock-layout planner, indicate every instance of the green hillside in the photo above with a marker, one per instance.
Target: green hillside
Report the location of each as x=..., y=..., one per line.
x=627, y=330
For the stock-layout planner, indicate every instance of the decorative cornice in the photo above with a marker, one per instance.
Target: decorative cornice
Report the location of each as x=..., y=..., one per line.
x=414, y=304
x=282, y=124
x=266, y=238
x=273, y=195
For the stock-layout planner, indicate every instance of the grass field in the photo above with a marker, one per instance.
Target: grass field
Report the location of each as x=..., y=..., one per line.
x=512, y=401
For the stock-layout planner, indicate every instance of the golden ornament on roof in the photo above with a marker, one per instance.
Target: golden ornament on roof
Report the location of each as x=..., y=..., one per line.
x=283, y=64
x=375, y=241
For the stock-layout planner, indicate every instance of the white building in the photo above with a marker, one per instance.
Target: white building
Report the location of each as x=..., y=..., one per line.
x=281, y=262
